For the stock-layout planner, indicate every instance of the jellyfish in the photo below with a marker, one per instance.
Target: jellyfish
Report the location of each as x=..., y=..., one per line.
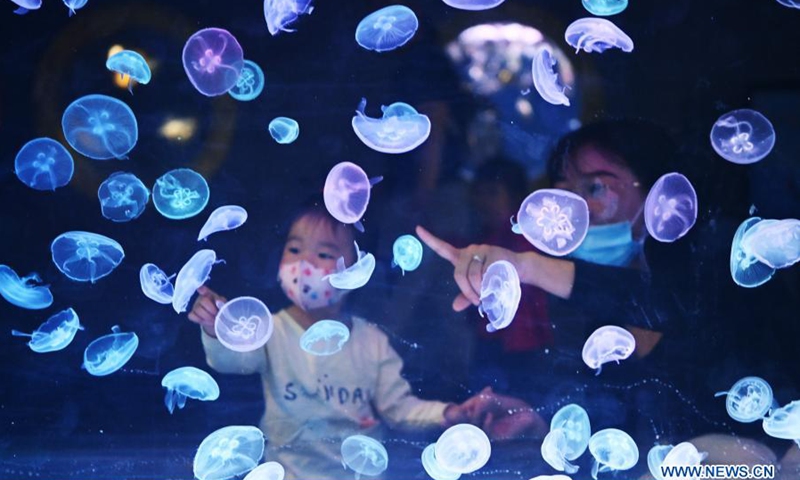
x=364, y=455
x=607, y=344
x=284, y=130
x=748, y=400
x=223, y=219
x=574, y=421
x=790, y=3
x=213, y=61
x=228, y=452
x=55, y=334
x=407, y=253
x=432, y=466
x=191, y=277
x=250, y=83
x=784, y=422
x=279, y=14
x=188, y=382
x=180, y=193
x=671, y=208
x=267, y=471
x=243, y=324
x=684, y=454
x=554, y=451
x=500, y=295
x=400, y=130
x=155, y=284
x=554, y=221
x=387, y=29
x=743, y=136
x=76, y=5
x=605, y=8
x=100, y=127
x=86, y=256
x=44, y=164
x=324, y=338
x=746, y=270
x=123, y=197
x=775, y=243
x=612, y=449
x=593, y=34
x=473, y=4
x=24, y=292
x=346, y=193
x=107, y=354
x=356, y=275
x=26, y=5
x=545, y=78
x=463, y=448
x=655, y=457
x=130, y=63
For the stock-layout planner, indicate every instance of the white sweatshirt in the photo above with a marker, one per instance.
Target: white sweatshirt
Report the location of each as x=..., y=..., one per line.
x=313, y=403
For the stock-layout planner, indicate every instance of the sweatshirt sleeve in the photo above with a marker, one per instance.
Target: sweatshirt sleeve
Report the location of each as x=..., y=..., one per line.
x=393, y=399
x=224, y=360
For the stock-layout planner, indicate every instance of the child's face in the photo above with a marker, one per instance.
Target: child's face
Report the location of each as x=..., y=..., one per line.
x=316, y=242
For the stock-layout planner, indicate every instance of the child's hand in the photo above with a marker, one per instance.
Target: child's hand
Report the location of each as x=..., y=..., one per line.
x=205, y=308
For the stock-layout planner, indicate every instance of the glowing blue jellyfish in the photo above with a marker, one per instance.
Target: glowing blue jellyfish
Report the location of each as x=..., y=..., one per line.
x=213, y=61
x=775, y=243
x=24, y=292
x=356, y=275
x=596, y=35
x=44, y=164
x=463, y=448
x=554, y=451
x=191, y=277
x=250, y=83
x=228, y=452
x=54, y=334
x=746, y=270
x=612, y=449
x=267, y=471
x=223, y=219
x=684, y=454
x=243, y=324
x=86, y=256
x=790, y=3
x=388, y=28
x=400, y=130
x=123, y=197
x=107, y=354
x=784, y=422
x=607, y=344
x=473, y=4
x=743, y=136
x=188, y=382
x=76, y=5
x=180, y=193
x=748, y=400
x=155, y=284
x=325, y=337
x=545, y=78
x=279, y=14
x=432, y=466
x=26, y=5
x=284, y=130
x=554, y=221
x=364, y=455
x=346, y=193
x=605, y=8
x=500, y=295
x=574, y=421
x=671, y=208
x=130, y=63
x=655, y=457
x=407, y=253
x=100, y=127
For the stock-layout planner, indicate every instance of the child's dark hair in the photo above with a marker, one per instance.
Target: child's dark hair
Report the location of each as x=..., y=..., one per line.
x=314, y=209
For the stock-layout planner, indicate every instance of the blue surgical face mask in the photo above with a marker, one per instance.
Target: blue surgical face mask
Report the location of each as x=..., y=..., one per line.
x=611, y=245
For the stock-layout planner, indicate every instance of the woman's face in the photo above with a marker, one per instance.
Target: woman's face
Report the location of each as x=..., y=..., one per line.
x=611, y=190
x=314, y=241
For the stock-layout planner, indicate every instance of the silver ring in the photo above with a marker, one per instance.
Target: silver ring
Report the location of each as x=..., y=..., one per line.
x=477, y=258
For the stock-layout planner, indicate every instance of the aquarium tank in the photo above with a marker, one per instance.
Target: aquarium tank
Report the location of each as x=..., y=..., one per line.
x=436, y=239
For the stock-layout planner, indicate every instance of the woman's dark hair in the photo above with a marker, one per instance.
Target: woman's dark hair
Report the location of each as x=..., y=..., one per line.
x=510, y=174
x=642, y=146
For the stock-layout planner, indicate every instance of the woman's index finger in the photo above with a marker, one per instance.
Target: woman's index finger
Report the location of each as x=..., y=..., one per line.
x=442, y=248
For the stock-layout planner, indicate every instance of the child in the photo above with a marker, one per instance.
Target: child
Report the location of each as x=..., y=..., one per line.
x=313, y=403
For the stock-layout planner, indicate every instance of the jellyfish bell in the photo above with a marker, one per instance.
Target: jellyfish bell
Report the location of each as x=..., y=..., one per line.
x=123, y=197
x=188, y=382
x=574, y=421
x=432, y=466
x=325, y=337
x=400, y=129
x=280, y=14
x=605, y=8
x=180, y=193
x=775, y=243
x=250, y=83
x=284, y=130
x=473, y=5
x=463, y=448
x=243, y=324
x=356, y=275
x=387, y=29
x=223, y=219
x=607, y=344
x=44, y=164
x=545, y=78
x=592, y=34
x=100, y=127
x=746, y=269
x=670, y=209
x=55, y=334
x=655, y=457
x=500, y=295
x=364, y=455
x=784, y=422
x=132, y=64
x=748, y=400
x=613, y=450
x=407, y=253
x=27, y=5
x=109, y=353
x=24, y=292
x=228, y=452
x=156, y=285
x=554, y=449
x=192, y=276
x=554, y=221
x=743, y=136
x=683, y=454
x=346, y=193
x=267, y=471
x=213, y=61
x=86, y=256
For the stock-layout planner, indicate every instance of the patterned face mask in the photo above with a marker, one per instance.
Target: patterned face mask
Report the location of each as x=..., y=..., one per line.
x=303, y=283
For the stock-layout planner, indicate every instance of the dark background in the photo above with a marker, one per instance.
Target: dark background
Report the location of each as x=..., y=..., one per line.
x=693, y=61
